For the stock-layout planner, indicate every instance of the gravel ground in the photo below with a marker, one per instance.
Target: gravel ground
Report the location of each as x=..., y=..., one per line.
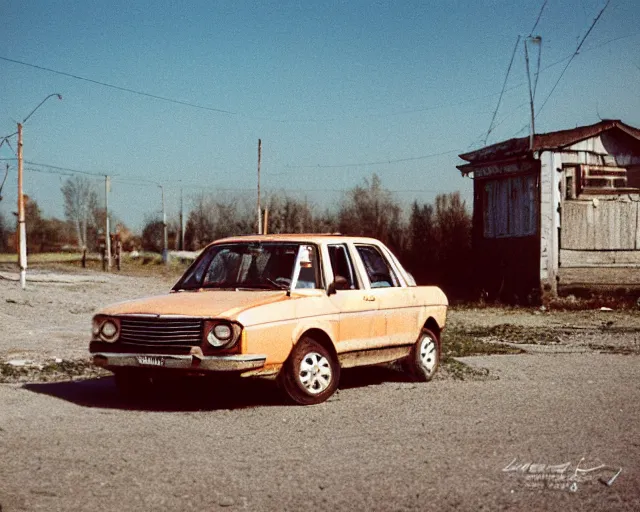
x=52, y=317
x=379, y=444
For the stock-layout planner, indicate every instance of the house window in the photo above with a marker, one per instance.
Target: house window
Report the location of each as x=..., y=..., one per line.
x=510, y=206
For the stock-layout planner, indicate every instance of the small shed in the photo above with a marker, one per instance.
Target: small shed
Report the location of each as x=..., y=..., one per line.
x=559, y=215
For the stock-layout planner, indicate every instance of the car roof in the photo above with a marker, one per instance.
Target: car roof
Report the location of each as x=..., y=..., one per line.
x=317, y=238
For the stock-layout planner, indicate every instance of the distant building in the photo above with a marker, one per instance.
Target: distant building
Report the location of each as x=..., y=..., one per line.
x=562, y=216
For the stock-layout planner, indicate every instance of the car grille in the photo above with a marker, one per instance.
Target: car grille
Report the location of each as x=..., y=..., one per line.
x=161, y=331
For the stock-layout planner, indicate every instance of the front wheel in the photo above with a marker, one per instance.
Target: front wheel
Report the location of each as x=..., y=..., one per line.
x=311, y=373
x=424, y=359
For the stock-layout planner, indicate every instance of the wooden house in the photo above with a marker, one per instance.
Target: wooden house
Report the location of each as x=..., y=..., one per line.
x=558, y=215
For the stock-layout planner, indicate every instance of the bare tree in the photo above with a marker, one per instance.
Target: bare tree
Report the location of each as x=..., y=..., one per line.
x=4, y=233
x=289, y=215
x=371, y=210
x=80, y=202
x=211, y=219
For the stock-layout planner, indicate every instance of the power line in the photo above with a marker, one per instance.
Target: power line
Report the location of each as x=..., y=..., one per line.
x=504, y=84
x=303, y=190
x=213, y=109
x=203, y=107
x=379, y=162
x=68, y=169
x=539, y=16
x=63, y=171
x=48, y=171
x=593, y=24
x=117, y=87
x=6, y=141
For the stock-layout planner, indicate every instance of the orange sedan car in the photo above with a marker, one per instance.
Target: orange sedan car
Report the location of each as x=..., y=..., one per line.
x=297, y=307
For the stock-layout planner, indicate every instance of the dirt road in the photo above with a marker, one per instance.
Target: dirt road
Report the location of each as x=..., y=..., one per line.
x=379, y=444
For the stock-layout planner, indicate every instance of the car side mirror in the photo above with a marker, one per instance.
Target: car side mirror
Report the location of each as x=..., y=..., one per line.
x=339, y=283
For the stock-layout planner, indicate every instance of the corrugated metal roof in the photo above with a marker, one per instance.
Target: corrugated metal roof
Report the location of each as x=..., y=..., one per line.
x=515, y=148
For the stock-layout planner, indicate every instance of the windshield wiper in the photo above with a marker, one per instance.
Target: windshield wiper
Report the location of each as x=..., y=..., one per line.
x=279, y=286
x=221, y=286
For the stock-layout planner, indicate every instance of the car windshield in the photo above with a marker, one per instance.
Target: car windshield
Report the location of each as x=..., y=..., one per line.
x=252, y=265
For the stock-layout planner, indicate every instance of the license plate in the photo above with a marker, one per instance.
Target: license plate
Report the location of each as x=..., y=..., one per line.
x=150, y=360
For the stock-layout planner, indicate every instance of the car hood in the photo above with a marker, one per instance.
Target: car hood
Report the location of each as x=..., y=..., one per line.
x=203, y=303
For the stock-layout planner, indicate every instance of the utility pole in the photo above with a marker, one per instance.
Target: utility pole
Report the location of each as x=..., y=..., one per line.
x=165, y=235
x=538, y=40
x=22, y=227
x=259, y=210
x=181, y=222
x=107, y=239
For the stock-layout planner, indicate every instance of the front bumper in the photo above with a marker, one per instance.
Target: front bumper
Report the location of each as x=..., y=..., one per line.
x=196, y=363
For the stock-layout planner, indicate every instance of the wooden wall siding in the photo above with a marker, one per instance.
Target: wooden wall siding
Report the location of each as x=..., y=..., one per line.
x=592, y=145
x=585, y=259
x=569, y=158
x=600, y=225
x=510, y=206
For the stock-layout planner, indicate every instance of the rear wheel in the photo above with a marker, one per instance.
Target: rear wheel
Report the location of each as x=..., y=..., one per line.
x=424, y=359
x=311, y=373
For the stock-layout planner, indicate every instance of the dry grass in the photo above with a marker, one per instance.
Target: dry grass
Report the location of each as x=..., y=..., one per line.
x=46, y=257
x=147, y=264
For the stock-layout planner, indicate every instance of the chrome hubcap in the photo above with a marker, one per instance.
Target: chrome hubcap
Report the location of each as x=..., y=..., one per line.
x=315, y=373
x=428, y=354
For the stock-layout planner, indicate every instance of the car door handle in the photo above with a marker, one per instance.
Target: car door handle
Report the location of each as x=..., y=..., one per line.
x=369, y=298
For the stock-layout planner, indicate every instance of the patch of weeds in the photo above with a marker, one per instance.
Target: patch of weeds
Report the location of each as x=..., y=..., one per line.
x=50, y=371
x=461, y=343
x=9, y=373
x=617, y=299
x=454, y=369
x=521, y=334
x=612, y=349
x=510, y=333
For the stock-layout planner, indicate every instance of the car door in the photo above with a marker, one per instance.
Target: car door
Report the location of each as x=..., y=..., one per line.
x=360, y=327
x=397, y=303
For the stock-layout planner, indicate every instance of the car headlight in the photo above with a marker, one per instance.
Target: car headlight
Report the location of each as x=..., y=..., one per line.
x=105, y=329
x=220, y=335
x=109, y=330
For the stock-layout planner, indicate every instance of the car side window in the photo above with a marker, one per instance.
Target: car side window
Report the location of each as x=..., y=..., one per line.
x=342, y=266
x=378, y=269
x=309, y=268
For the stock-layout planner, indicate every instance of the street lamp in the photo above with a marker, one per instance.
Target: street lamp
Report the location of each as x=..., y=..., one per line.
x=22, y=228
x=165, y=234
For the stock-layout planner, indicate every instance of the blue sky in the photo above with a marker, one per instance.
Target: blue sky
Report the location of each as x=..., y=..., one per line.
x=331, y=88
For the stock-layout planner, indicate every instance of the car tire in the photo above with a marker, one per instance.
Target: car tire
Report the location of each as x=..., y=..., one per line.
x=424, y=359
x=310, y=374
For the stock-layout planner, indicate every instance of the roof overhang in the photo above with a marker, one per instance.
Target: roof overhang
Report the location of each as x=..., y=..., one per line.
x=520, y=148
x=504, y=167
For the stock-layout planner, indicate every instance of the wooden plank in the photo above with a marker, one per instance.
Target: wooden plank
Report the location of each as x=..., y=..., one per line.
x=604, y=226
x=577, y=225
x=601, y=277
x=637, y=225
x=628, y=221
x=577, y=259
x=600, y=225
x=615, y=225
